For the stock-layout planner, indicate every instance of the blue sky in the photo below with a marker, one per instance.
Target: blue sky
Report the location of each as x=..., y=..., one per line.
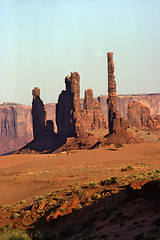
x=42, y=41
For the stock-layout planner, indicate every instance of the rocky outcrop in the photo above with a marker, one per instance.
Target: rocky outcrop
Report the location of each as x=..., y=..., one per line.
x=152, y=101
x=155, y=122
x=68, y=111
x=139, y=116
x=92, y=116
x=16, y=125
x=70, y=130
x=72, y=121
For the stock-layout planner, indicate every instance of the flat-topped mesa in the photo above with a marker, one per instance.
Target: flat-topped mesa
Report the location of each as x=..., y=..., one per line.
x=68, y=111
x=115, y=122
x=41, y=127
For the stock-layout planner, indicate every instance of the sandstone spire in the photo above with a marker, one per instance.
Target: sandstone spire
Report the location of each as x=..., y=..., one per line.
x=38, y=114
x=68, y=111
x=115, y=122
x=112, y=95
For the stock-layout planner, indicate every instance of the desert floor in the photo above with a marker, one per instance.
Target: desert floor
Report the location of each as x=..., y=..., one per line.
x=26, y=176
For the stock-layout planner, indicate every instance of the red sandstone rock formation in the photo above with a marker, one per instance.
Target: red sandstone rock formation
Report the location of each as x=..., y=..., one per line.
x=156, y=122
x=139, y=116
x=68, y=111
x=92, y=116
x=117, y=125
x=38, y=114
x=41, y=126
x=115, y=122
x=71, y=120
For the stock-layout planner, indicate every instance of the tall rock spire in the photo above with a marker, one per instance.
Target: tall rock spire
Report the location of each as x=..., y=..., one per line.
x=38, y=114
x=112, y=95
x=115, y=122
x=68, y=110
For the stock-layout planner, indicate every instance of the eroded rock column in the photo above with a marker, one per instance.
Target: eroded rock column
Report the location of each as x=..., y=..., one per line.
x=68, y=111
x=115, y=122
x=112, y=95
x=38, y=114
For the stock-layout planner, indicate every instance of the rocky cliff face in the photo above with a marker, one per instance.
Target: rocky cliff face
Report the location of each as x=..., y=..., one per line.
x=138, y=114
x=15, y=120
x=16, y=125
x=152, y=101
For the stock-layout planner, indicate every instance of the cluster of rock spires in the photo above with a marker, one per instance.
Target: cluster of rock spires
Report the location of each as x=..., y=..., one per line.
x=74, y=123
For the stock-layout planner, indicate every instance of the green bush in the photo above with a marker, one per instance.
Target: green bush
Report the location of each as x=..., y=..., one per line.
x=109, y=181
x=128, y=168
x=14, y=235
x=118, y=145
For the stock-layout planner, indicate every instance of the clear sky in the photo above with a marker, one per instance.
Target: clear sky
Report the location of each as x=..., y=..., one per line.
x=42, y=41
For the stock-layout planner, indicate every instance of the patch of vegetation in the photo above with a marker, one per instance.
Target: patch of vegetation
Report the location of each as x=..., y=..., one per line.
x=109, y=181
x=118, y=146
x=14, y=235
x=96, y=196
x=14, y=215
x=127, y=168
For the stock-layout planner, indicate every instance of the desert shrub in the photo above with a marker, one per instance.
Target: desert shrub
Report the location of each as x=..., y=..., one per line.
x=127, y=168
x=93, y=185
x=14, y=215
x=96, y=196
x=109, y=181
x=118, y=145
x=62, y=210
x=14, y=235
